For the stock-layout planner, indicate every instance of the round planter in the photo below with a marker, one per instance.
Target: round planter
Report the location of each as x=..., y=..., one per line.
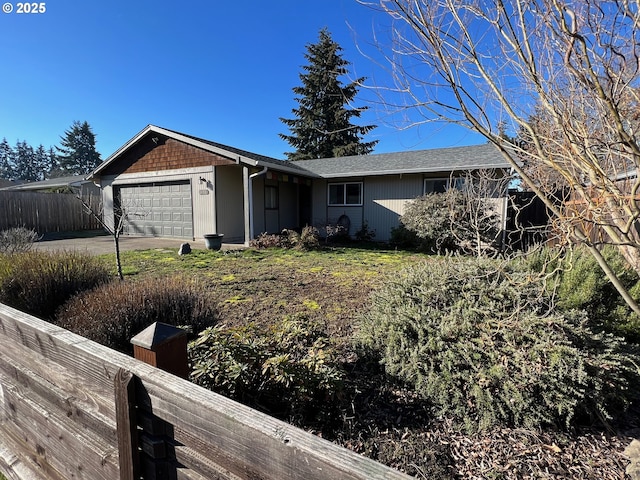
x=213, y=241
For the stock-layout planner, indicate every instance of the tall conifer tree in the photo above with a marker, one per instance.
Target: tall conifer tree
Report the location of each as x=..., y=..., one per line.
x=25, y=162
x=322, y=125
x=77, y=154
x=7, y=166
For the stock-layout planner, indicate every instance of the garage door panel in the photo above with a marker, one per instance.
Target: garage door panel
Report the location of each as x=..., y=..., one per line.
x=159, y=209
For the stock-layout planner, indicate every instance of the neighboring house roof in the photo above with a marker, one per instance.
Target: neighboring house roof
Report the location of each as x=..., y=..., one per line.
x=51, y=183
x=7, y=183
x=236, y=154
x=419, y=161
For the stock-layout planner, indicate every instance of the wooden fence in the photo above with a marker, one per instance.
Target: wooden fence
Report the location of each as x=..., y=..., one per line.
x=71, y=408
x=46, y=212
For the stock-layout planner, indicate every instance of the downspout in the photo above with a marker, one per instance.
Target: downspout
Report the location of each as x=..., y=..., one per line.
x=251, y=177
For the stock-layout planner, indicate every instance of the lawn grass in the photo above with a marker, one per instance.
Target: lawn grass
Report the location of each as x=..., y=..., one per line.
x=263, y=286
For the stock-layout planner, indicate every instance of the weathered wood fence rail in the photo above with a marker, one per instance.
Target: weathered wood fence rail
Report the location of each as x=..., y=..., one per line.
x=71, y=408
x=46, y=212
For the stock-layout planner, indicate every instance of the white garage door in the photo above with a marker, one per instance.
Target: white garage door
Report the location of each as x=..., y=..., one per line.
x=158, y=209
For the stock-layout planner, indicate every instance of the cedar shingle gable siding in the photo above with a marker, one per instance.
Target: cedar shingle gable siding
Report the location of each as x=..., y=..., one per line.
x=166, y=154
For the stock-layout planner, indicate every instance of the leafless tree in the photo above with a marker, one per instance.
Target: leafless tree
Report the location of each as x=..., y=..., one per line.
x=485, y=203
x=562, y=75
x=115, y=226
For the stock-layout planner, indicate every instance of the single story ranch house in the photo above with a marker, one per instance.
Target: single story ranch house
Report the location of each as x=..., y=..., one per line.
x=172, y=184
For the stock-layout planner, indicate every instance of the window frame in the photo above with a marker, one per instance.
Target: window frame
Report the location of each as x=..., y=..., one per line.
x=344, y=194
x=267, y=197
x=450, y=182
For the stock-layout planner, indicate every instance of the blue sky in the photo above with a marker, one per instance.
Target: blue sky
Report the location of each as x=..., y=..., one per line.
x=220, y=70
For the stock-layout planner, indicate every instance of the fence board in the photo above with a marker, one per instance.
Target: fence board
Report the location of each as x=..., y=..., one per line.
x=47, y=212
x=205, y=435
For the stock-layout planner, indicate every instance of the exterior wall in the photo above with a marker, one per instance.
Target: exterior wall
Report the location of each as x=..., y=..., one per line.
x=384, y=198
x=202, y=203
x=384, y=201
x=229, y=198
x=319, y=204
x=354, y=214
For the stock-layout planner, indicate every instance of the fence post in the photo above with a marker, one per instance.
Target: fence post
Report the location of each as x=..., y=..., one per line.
x=163, y=346
x=126, y=425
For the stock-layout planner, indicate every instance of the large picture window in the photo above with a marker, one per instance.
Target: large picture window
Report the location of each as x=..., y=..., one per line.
x=345, y=194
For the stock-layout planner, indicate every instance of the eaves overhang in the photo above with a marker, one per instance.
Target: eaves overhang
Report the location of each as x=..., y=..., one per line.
x=230, y=153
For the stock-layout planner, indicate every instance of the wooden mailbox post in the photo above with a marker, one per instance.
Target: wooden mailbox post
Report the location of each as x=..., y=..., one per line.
x=163, y=346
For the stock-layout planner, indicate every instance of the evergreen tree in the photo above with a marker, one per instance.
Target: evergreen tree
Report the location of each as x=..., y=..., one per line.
x=53, y=167
x=7, y=170
x=41, y=162
x=77, y=153
x=322, y=125
x=25, y=162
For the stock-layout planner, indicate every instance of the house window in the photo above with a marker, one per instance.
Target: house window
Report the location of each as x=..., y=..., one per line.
x=270, y=197
x=441, y=185
x=345, y=194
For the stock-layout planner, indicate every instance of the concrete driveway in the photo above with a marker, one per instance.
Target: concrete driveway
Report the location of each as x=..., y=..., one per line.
x=101, y=244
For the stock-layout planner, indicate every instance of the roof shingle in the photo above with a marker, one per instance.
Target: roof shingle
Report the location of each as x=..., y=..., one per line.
x=418, y=161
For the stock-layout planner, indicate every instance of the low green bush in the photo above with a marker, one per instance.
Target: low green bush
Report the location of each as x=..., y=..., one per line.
x=112, y=314
x=578, y=282
x=289, y=370
x=480, y=341
x=40, y=282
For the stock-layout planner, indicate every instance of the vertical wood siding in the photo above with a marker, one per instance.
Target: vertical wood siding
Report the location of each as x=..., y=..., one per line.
x=385, y=198
x=230, y=203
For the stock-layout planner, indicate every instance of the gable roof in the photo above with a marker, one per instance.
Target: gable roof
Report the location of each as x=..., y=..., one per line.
x=238, y=155
x=451, y=159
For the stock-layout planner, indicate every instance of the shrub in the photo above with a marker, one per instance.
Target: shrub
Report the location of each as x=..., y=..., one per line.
x=307, y=239
x=478, y=340
x=579, y=283
x=39, y=282
x=267, y=240
x=17, y=240
x=365, y=234
x=403, y=238
x=112, y=314
x=289, y=369
x=449, y=221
